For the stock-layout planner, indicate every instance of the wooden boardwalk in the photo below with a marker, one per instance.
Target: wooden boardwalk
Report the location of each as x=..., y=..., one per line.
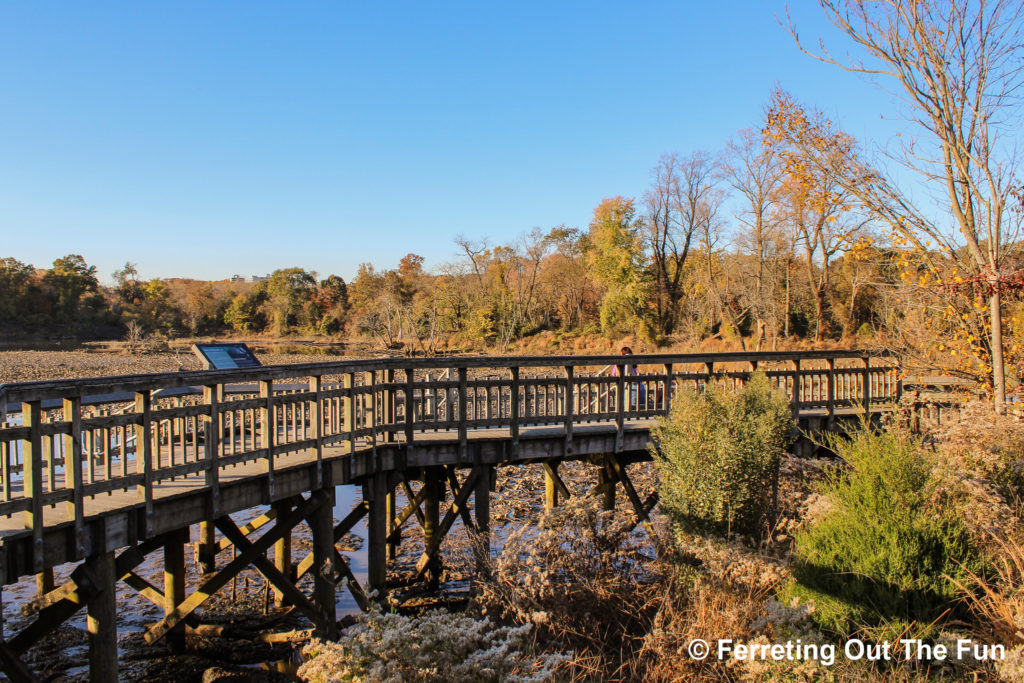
x=87, y=476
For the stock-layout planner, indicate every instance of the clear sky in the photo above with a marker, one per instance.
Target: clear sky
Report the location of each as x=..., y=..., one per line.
x=204, y=139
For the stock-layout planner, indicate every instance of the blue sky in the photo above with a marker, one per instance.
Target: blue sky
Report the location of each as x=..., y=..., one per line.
x=207, y=139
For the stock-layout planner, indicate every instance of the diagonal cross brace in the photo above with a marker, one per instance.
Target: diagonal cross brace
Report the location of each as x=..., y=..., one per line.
x=267, y=568
x=639, y=508
x=342, y=528
x=217, y=581
x=563, y=490
x=60, y=604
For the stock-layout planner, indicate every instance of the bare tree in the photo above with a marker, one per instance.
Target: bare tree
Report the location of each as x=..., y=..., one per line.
x=957, y=66
x=755, y=171
x=670, y=226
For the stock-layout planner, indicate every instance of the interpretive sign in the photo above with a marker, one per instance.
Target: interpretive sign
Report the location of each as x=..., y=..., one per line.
x=229, y=356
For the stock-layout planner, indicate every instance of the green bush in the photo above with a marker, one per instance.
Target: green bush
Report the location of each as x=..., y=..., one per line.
x=885, y=551
x=718, y=454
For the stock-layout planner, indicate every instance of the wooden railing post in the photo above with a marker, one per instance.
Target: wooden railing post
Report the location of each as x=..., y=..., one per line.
x=669, y=385
x=513, y=427
x=866, y=373
x=73, y=470
x=463, y=446
x=268, y=435
x=212, y=395
x=830, y=389
x=144, y=453
x=369, y=401
x=32, y=471
x=388, y=404
x=796, y=386
x=410, y=409
x=569, y=408
x=316, y=421
x=620, y=408
x=348, y=407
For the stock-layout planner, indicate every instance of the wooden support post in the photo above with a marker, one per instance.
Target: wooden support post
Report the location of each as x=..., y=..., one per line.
x=606, y=483
x=206, y=548
x=32, y=417
x=212, y=396
x=268, y=435
x=432, y=522
x=550, y=488
x=321, y=524
x=44, y=582
x=73, y=471
x=102, y=617
x=174, y=584
x=375, y=494
x=482, y=512
x=392, y=541
x=283, y=553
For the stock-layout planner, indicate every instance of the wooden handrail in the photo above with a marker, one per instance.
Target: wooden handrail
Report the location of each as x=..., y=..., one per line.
x=90, y=386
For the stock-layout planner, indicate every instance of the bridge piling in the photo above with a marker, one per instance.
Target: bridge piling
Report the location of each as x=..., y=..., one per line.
x=283, y=552
x=375, y=494
x=174, y=584
x=433, y=485
x=321, y=524
x=101, y=621
x=206, y=548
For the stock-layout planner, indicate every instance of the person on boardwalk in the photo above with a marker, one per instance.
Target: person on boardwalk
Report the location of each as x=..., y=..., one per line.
x=636, y=390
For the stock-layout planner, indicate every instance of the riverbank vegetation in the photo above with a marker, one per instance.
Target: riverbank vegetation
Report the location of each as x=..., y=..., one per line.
x=891, y=536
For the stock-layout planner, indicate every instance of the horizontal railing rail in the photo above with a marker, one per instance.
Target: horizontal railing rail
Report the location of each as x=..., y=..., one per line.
x=74, y=440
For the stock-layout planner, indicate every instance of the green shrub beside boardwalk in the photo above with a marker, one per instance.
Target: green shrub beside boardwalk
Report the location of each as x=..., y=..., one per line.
x=888, y=550
x=718, y=455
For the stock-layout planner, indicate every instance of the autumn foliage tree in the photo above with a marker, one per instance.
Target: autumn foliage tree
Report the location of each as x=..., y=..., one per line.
x=957, y=66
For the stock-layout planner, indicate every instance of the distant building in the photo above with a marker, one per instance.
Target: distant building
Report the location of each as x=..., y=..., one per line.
x=237, y=278
x=259, y=278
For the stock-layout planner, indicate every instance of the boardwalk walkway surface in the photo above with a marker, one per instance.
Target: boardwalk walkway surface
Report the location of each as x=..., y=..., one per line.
x=104, y=471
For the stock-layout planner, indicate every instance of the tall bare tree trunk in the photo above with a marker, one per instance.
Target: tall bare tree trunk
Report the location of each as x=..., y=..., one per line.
x=998, y=371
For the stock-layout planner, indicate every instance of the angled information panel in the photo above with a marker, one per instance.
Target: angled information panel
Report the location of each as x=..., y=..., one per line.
x=230, y=356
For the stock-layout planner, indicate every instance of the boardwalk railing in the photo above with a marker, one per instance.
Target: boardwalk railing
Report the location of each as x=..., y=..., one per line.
x=65, y=442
